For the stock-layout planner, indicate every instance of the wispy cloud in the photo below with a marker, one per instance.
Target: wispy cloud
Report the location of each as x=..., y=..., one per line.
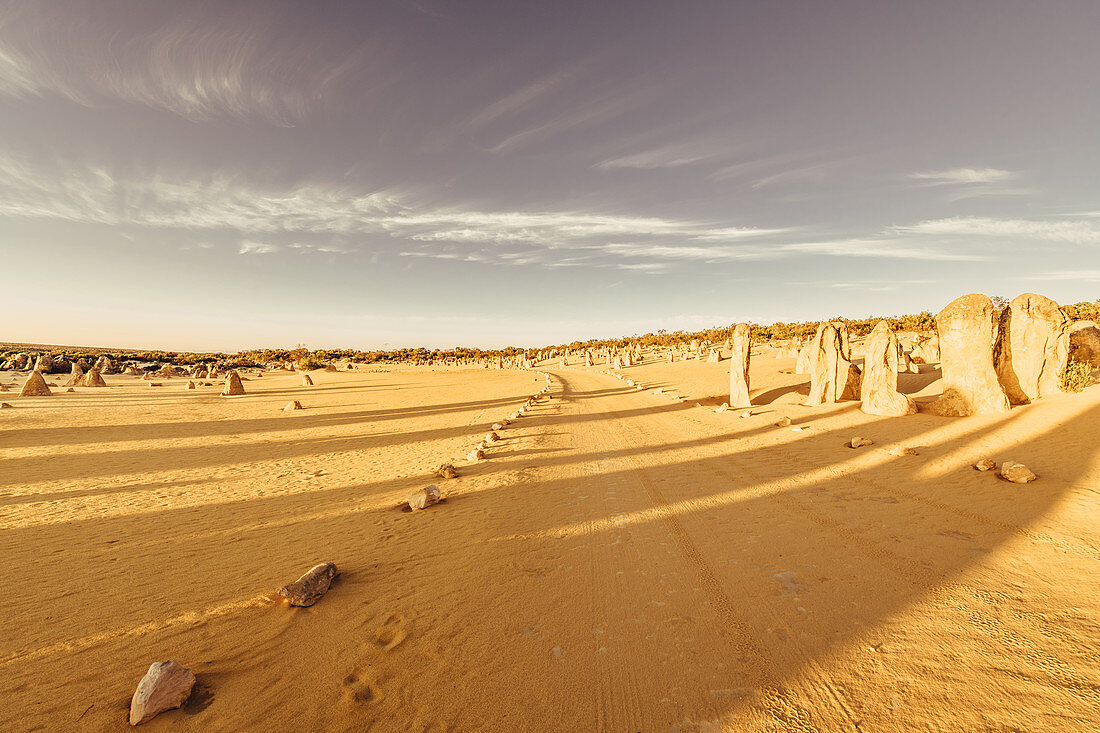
x=1088, y=276
x=242, y=67
x=956, y=176
x=1071, y=231
x=248, y=247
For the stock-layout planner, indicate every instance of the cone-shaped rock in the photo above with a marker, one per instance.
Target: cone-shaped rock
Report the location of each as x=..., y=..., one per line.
x=92, y=379
x=233, y=384
x=35, y=386
x=740, y=347
x=307, y=381
x=970, y=387
x=75, y=376
x=1032, y=348
x=879, y=381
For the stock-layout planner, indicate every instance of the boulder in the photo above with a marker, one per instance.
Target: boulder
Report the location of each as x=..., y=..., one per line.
x=879, y=381
x=93, y=379
x=308, y=589
x=966, y=332
x=1031, y=349
x=1084, y=343
x=425, y=497
x=833, y=376
x=35, y=386
x=740, y=348
x=164, y=687
x=233, y=384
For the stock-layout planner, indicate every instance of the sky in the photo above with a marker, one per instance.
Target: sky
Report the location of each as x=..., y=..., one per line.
x=378, y=174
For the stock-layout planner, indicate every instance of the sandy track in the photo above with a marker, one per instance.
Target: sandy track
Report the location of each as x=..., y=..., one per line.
x=622, y=562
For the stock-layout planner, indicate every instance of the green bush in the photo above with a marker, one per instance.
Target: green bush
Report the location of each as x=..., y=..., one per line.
x=1076, y=376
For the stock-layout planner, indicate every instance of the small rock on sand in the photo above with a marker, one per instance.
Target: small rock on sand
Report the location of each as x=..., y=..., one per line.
x=986, y=464
x=308, y=589
x=860, y=442
x=475, y=455
x=723, y=407
x=900, y=450
x=498, y=426
x=784, y=422
x=492, y=437
x=5, y=405
x=293, y=405
x=746, y=413
x=424, y=497
x=446, y=470
x=1017, y=473
x=164, y=687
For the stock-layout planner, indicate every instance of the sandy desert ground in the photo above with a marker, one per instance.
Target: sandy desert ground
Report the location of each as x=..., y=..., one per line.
x=621, y=562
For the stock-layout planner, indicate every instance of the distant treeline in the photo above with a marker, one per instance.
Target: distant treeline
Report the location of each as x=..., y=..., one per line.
x=312, y=359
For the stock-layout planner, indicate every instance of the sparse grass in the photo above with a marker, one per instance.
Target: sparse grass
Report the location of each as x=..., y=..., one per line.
x=1076, y=376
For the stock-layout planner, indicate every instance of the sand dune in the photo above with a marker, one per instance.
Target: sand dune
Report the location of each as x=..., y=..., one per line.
x=621, y=562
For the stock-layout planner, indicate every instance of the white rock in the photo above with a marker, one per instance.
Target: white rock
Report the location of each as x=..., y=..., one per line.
x=165, y=686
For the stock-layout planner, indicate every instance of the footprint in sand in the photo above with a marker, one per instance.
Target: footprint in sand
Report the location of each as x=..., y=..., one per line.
x=360, y=689
x=391, y=633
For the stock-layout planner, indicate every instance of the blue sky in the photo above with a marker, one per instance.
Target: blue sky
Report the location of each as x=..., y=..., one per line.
x=225, y=175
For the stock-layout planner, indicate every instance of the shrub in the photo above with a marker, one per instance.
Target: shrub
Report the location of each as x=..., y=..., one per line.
x=1076, y=376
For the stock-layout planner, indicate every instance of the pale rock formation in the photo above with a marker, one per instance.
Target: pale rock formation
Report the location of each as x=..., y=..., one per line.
x=475, y=455
x=292, y=405
x=166, y=686
x=833, y=376
x=879, y=381
x=986, y=464
x=35, y=386
x=308, y=589
x=860, y=442
x=93, y=378
x=970, y=387
x=1031, y=349
x=446, y=470
x=802, y=360
x=425, y=497
x=740, y=351
x=307, y=381
x=75, y=376
x=233, y=384
x=190, y=384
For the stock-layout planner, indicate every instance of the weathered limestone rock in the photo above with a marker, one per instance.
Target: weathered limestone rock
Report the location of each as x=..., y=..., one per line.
x=833, y=376
x=926, y=350
x=900, y=450
x=293, y=405
x=475, y=455
x=330, y=368
x=740, y=348
x=425, y=497
x=1031, y=349
x=165, y=686
x=784, y=422
x=986, y=464
x=233, y=384
x=75, y=376
x=1084, y=343
x=860, y=442
x=35, y=386
x=308, y=589
x=970, y=387
x=93, y=379
x=446, y=470
x=190, y=384
x=491, y=437
x=714, y=356
x=307, y=381
x=723, y=407
x=5, y=405
x=1017, y=473
x=802, y=361
x=879, y=382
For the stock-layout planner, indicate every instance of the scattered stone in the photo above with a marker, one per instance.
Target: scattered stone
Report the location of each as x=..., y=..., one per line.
x=35, y=386
x=190, y=384
x=784, y=422
x=966, y=331
x=899, y=450
x=164, y=687
x=308, y=589
x=1017, y=473
x=986, y=464
x=746, y=413
x=293, y=405
x=233, y=384
x=492, y=437
x=723, y=407
x=498, y=426
x=475, y=455
x=70, y=389
x=5, y=405
x=860, y=442
x=307, y=381
x=156, y=384
x=424, y=498
x=446, y=470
